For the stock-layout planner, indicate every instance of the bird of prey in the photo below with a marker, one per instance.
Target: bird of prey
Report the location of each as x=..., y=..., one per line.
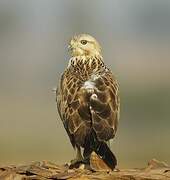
x=88, y=100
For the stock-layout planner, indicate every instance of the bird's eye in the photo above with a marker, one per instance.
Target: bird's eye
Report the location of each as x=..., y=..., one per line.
x=84, y=42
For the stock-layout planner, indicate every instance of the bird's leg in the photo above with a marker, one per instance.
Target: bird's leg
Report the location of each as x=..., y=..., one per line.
x=78, y=158
x=108, y=143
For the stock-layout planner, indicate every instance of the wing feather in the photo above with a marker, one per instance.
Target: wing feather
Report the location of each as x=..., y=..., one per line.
x=74, y=113
x=105, y=105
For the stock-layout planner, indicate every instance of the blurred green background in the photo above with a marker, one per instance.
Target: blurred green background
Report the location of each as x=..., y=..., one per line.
x=135, y=36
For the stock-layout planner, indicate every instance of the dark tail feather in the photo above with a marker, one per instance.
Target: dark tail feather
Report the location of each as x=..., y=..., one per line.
x=106, y=154
x=100, y=148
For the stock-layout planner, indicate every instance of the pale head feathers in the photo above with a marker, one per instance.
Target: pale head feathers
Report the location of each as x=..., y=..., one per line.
x=84, y=45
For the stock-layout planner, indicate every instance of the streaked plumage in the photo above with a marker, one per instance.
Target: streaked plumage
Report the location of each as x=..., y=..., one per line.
x=88, y=99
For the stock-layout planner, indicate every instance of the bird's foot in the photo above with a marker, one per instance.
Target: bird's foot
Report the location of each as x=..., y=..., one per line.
x=75, y=163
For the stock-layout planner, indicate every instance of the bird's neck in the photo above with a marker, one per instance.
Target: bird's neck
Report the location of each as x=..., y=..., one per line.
x=87, y=62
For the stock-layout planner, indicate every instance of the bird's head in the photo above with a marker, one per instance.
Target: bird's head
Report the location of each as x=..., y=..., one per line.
x=84, y=45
